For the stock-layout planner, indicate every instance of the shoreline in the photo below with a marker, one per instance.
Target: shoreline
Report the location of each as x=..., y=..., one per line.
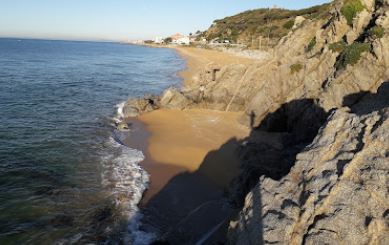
x=191, y=159
x=197, y=58
x=190, y=155
x=147, y=126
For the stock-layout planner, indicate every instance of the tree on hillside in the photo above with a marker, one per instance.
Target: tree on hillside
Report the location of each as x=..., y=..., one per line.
x=168, y=40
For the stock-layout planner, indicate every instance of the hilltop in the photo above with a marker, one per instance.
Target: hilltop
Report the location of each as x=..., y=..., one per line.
x=262, y=27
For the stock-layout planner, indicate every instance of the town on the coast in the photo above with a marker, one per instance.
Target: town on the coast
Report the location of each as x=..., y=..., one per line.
x=185, y=40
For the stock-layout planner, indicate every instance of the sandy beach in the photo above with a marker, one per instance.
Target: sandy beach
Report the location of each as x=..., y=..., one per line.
x=178, y=141
x=184, y=138
x=197, y=58
x=190, y=155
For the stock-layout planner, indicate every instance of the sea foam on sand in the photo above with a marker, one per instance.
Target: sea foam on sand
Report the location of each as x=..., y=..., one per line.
x=124, y=178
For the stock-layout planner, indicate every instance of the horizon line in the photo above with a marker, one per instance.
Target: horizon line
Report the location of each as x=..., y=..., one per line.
x=61, y=39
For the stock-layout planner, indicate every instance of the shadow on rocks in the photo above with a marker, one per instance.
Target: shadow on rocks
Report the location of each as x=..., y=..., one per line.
x=197, y=207
x=365, y=102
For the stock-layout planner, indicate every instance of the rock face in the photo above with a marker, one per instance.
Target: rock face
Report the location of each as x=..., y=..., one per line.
x=336, y=193
x=174, y=99
x=334, y=189
x=315, y=168
x=305, y=64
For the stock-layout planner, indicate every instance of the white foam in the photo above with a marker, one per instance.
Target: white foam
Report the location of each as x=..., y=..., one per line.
x=119, y=112
x=127, y=181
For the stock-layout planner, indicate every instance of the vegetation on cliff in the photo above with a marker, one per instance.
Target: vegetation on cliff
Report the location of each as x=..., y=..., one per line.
x=338, y=46
x=269, y=24
x=311, y=44
x=351, y=54
x=318, y=130
x=350, y=10
x=295, y=68
x=377, y=32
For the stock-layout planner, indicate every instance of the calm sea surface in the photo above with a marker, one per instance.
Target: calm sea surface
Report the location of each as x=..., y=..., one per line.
x=63, y=177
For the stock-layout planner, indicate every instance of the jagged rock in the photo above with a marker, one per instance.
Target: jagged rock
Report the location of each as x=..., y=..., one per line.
x=333, y=190
x=360, y=23
x=262, y=87
x=131, y=111
x=298, y=21
x=174, y=99
x=134, y=107
x=337, y=192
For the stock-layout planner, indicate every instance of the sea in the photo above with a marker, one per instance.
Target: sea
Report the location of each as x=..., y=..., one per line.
x=65, y=176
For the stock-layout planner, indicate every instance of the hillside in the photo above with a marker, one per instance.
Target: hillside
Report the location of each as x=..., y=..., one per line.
x=261, y=27
x=315, y=167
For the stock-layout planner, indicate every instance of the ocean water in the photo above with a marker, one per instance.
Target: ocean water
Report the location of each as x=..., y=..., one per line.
x=64, y=176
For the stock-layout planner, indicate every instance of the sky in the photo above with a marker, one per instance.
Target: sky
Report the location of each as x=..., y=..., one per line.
x=121, y=20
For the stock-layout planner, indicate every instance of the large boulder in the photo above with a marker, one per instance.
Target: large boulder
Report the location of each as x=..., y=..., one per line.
x=134, y=107
x=174, y=99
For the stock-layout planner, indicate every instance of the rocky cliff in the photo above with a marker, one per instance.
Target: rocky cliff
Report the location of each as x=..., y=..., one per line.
x=261, y=28
x=337, y=190
x=315, y=167
x=324, y=59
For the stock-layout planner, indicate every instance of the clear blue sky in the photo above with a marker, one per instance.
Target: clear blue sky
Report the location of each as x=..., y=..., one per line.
x=121, y=19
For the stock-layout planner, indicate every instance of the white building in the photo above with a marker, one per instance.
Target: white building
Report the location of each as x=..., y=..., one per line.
x=180, y=39
x=183, y=41
x=158, y=40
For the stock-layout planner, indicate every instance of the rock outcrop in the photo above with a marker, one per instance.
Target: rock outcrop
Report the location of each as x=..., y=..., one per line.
x=336, y=193
x=317, y=60
x=315, y=167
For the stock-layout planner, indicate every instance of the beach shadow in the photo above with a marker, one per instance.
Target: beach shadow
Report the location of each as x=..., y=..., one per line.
x=193, y=203
x=197, y=207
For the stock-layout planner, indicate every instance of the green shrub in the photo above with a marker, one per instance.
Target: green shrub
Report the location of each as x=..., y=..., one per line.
x=350, y=10
x=311, y=44
x=168, y=40
x=289, y=24
x=295, y=68
x=351, y=54
x=377, y=32
x=249, y=25
x=338, y=46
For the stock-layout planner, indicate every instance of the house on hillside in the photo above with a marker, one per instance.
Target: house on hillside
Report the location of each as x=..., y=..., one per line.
x=180, y=39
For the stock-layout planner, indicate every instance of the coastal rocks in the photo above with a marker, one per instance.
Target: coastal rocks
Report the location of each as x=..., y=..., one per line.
x=298, y=21
x=359, y=24
x=335, y=193
x=272, y=147
x=174, y=99
x=219, y=93
x=134, y=107
x=337, y=190
x=306, y=178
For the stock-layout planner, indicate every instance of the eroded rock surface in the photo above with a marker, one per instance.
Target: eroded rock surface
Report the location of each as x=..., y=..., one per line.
x=315, y=167
x=336, y=193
